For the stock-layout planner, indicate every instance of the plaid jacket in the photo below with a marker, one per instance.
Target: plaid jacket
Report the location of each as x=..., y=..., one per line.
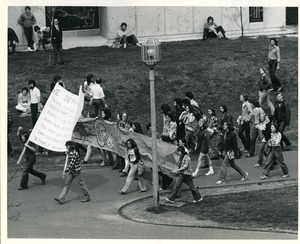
x=74, y=160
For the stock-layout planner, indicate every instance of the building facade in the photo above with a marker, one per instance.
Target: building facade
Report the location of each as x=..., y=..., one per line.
x=162, y=23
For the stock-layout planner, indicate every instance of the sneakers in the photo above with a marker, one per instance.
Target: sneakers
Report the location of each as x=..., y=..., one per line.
x=122, y=193
x=245, y=177
x=264, y=177
x=86, y=199
x=210, y=173
x=199, y=200
x=103, y=164
x=58, y=200
x=169, y=200
x=219, y=182
x=286, y=176
x=257, y=165
x=123, y=174
x=21, y=188
x=125, y=45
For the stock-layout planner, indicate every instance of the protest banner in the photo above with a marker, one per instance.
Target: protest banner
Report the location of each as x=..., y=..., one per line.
x=56, y=122
x=108, y=136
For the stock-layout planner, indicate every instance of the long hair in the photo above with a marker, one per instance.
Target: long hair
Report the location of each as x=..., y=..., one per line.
x=182, y=150
x=138, y=128
x=107, y=113
x=209, y=17
x=132, y=142
x=165, y=108
x=274, y=39
x=32, y=82
x=225, y=108
x=89, y=78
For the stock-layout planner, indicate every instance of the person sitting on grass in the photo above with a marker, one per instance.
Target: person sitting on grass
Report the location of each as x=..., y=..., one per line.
x=24, y=102
x=43, y=36
x=184, y=175
x=12, y=39
x=126, y=36
x=212, y=30
x=275, y=156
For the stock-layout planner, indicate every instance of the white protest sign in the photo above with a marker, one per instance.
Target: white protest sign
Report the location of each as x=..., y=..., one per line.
x=56, y=122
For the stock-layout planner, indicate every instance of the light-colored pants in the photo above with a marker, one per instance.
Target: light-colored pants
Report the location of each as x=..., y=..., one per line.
x=70, y=177
x=126, y=168
x=88, y=153
x=264, y=96
x=130, y=177
x=23, y=108
x=201, y=158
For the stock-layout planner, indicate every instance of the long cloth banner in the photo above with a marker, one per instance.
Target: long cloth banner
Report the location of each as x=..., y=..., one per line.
x=107, y=135
x=57, y=120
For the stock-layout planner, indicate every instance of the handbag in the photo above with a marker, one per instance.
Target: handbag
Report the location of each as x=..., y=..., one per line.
x=230, y=155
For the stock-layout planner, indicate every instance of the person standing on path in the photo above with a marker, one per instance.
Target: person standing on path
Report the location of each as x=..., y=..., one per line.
x=30, y=161
x=73, y=170
x=35, y=99
x=57, y=42
x=184, y=173
x=273, y=61
x=265, y=86
x=231, y=149
x=282, y=118
x=27, y=21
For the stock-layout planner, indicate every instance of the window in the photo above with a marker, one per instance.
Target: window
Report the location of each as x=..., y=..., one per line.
x=255, y=14
x=76, y=18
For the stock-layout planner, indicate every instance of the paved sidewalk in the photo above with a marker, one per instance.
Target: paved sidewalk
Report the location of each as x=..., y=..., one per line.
x=41, y=217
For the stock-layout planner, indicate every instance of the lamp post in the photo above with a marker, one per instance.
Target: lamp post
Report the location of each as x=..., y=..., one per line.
x=151, y=55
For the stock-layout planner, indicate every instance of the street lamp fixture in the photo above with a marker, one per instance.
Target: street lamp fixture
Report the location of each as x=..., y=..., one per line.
x=151, y=55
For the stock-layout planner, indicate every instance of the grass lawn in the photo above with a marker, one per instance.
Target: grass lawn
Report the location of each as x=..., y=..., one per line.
x=244, y=210
x=216, y=71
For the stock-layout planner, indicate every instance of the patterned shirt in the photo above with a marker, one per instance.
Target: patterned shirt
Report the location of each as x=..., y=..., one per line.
x=74, y=160
x=186, y=162
x=275, y=139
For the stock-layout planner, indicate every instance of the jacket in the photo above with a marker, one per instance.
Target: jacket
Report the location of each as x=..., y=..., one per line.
x=56, y=35
x=265, y=83
x=282, y=112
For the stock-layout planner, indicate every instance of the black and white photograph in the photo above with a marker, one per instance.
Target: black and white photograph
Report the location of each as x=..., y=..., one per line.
x=149, y=121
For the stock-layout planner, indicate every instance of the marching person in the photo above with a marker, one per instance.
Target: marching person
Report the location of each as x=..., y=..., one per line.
x=73, y=170
x=275, y=154
x=27, y=21
x=265, y=86
x=231, y=149
x=30, y=161
x=282, y=118
x=184, y=175
x=136, y=166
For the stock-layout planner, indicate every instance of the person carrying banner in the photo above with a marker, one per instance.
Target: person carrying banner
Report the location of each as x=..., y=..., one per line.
x=184, y=175
x=30, y=161
x=73, y=170
x=136, y=165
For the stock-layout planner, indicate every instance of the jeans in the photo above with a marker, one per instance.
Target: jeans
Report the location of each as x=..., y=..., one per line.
x=224, y=166
x=265, y=96
x=57, y=50
x=281, y=127
x=70, y=177
x=34, y=113
x=30, y=161
x=28, y=31
x=263, y=148
x=130, y=177
x=98, y=105
x=188, y=180
x=207, y=33
x=272, y=69
x=275, y=155
x=202, y=158
x=165, y=180
x=253, y=137
x=129, y=39
x=245, y=127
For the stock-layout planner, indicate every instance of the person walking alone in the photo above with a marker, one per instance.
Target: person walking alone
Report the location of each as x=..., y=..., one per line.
x=57, y=42
x=273, y=61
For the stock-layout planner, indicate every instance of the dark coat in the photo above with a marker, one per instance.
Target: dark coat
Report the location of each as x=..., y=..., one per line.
x=282, y=112
x=12, y=36
x=57, y=35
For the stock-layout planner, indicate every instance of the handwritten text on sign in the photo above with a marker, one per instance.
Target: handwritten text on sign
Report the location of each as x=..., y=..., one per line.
x=56, y=122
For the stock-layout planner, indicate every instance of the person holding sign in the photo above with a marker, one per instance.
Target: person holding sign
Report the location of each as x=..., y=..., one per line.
x=73, y=170
x=30, y=161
